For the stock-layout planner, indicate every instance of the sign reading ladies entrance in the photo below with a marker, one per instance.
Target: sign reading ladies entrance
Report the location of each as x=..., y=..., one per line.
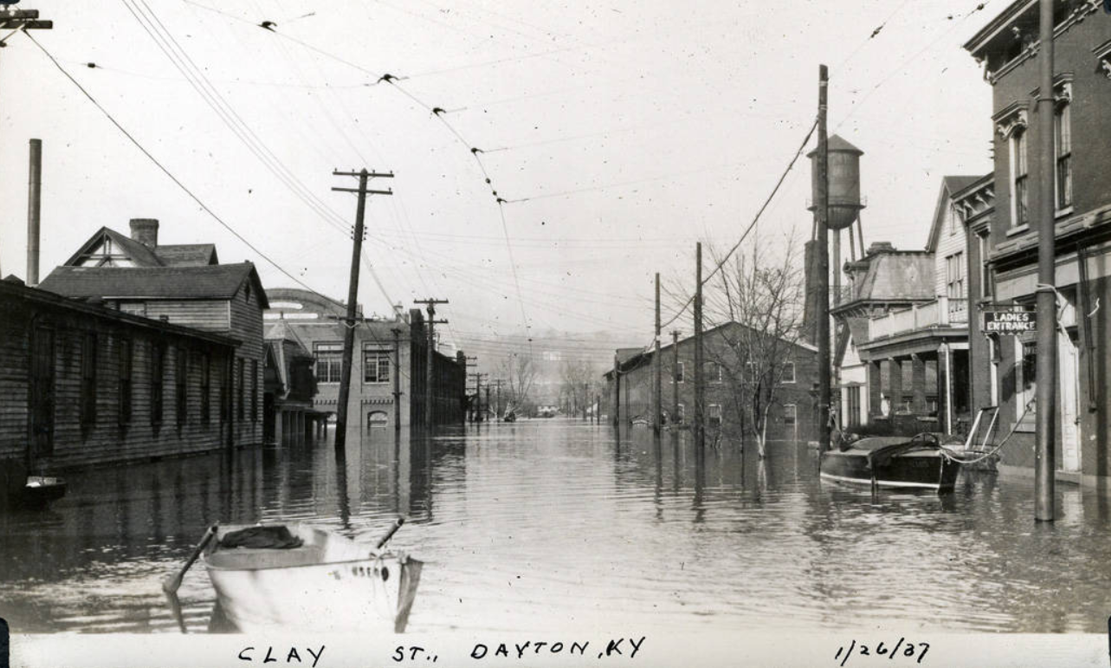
x=1009, y=322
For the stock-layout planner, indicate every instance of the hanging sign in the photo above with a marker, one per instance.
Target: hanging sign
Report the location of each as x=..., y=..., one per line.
x=1009, y=322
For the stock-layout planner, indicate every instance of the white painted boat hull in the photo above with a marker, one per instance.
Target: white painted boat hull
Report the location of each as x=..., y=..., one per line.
x=329, y=585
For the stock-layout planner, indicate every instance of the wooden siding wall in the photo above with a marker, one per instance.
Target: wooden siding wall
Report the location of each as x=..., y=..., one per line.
x=246, y=325
x=105, y=439
x=207, y=314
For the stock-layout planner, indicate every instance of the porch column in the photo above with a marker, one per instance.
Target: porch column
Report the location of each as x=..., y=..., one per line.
x=873, y=380
x=945, y=388
x=895, y=392
x=279, y=426
x=918, y=384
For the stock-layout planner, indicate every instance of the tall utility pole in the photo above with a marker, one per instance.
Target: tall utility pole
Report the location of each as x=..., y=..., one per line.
x=699, y=377
x=478, y=396
x=34, y=209
x=675, y=376
x=821, y=214
x=396, y=378
x=1046, y=392
x=26, y=19
x=430, y=365
x=657, y=381
x=353, y=296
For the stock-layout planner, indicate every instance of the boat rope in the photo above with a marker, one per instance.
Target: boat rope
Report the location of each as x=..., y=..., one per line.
x=952, y=455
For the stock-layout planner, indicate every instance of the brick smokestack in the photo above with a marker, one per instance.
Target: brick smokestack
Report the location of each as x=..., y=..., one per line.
x=145, y=231
x=810, y=307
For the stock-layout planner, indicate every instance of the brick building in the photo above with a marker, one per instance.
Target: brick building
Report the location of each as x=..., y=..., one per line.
x=1009, y=49
x=390, y=356
x=793, y=415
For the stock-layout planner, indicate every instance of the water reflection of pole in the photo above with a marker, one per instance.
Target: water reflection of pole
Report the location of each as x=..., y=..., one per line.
x=341, y=490
x=699, y=483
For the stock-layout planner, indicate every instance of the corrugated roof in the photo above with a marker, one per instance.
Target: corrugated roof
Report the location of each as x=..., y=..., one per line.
x=187, y=255
x=219, y=281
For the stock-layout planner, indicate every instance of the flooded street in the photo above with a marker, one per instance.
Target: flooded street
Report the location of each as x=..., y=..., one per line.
x=552, y=524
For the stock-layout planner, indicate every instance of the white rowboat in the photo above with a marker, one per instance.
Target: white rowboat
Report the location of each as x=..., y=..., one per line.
x=328, y=584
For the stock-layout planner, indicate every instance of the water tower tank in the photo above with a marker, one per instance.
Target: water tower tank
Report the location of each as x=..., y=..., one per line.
x=844, y=182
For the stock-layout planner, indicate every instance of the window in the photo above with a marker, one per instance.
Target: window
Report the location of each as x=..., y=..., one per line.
x=88, y=379
x=788, y=372
x=181, y=377
x=716, y=373
x=206, y=388
x=985, y=272
x=376, y=365
x=679, y=373
x=954, y=219
x=954, y=276
x=377, y=419
x=123, y=384
x=254, y=390
x=241, y=377
x=329, y=360
x=1062, y=132
x=1019, y=198
x=715, y=414
x=157, y=372
x=791, y=412
x=682, y=417
x=854, y=406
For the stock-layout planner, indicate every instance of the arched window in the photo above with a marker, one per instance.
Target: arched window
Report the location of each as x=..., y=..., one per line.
x=377, y=419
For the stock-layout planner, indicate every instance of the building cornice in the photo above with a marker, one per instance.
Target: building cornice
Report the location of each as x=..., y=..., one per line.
x=980, y=41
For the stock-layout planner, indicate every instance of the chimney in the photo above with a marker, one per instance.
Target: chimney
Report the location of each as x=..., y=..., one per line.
x=34, y=209
x=145, y=231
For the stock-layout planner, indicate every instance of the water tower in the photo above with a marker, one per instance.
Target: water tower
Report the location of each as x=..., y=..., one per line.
x=844, y=200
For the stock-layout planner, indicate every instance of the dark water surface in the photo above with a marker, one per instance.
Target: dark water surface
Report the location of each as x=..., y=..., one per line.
x=550, y=524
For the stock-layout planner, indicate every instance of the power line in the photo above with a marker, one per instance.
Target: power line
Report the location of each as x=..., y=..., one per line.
x=168, y=173
x=755, y=219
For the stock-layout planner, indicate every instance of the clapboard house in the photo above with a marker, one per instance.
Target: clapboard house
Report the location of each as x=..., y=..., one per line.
x=82, y=382
x=179, y=285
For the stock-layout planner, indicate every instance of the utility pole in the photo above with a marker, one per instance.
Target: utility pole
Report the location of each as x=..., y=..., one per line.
x=487, y=399
x=657, y=384
x=397, y=378
x=1046, y=392
x=27, y=19
x=497, y=399
x=821, y=214
x=428, y=372
x=616, y=392
x=469, y=362
x=675, y=376
x=478, y=396
x=699, y=377
x=34, y=210
x=353, y=296
x=586, y=392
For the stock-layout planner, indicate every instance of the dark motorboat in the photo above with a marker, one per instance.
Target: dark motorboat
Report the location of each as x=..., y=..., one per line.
x=39, y=491
x=894, y=462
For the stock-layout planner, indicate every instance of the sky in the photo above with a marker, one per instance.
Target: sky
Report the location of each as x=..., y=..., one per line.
x=618, y=134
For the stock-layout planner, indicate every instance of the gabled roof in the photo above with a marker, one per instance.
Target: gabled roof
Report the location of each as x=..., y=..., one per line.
x=187, y=255
x=950, y=186
x=219, y=281
x=139, y=253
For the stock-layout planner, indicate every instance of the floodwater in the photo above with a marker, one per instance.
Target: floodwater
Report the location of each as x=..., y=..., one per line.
x=552, y=524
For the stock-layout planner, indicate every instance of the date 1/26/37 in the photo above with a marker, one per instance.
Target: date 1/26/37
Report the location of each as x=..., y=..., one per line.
x=902, y=648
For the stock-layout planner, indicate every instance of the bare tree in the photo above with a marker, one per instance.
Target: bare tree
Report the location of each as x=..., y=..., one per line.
x=520, y=373
x=764, y=297
x=576, y=377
